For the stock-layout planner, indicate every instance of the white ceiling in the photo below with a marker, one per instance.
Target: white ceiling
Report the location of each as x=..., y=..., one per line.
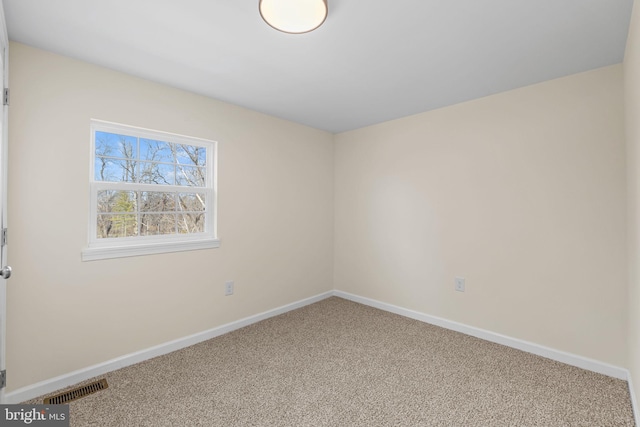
x=371, y=61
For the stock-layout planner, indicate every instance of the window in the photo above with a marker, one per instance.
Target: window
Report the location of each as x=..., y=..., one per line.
x=151, y=192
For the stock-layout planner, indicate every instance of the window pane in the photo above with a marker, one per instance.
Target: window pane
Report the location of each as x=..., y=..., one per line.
x=191, y=155
x=152, y=201
x=116, y=201
x=154, y=224
x=158, y=151
x=191, y=201
x=191, y=223
x=149, y=187
x=190, y=176
x=113, y=145
x=157, y=173
x=115, y=170
x=122, y=225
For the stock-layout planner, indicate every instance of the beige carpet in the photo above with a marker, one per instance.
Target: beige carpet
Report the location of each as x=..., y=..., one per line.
x=338, y=363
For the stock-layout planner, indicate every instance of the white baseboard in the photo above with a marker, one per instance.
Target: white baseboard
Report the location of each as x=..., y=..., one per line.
x=66, y=380
x=549, y=353
x=634, y=402
x=529, y=347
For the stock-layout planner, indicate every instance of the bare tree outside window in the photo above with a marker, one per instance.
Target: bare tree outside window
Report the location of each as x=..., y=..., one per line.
x=182, y=168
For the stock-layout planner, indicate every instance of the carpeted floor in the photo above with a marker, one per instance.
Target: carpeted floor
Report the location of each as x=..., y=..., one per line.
x=338, y=363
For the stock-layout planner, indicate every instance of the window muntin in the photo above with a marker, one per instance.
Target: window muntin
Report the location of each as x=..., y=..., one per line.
x=149, y=187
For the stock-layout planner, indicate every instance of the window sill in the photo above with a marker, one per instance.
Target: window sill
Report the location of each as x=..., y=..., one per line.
x=108, y=252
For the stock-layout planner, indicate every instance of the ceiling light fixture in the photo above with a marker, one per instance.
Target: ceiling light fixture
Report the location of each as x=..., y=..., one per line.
x=294, y=16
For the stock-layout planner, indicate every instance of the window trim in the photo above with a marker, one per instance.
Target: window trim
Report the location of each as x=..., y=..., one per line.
x=147, y=245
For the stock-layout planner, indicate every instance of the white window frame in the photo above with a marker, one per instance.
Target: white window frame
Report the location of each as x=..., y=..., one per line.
x=119, y=247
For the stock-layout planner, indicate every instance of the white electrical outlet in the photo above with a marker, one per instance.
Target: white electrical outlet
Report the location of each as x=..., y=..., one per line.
x=228, y=288
x=459, y=281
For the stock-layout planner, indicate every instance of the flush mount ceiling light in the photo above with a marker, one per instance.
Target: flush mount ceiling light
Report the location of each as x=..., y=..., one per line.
x=294, y=16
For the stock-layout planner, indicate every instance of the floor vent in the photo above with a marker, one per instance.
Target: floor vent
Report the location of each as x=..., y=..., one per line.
x=76, y=393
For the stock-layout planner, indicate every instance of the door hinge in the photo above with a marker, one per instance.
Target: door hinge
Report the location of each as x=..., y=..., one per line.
x=3, y=237
x=5, y=96
x=3, y=378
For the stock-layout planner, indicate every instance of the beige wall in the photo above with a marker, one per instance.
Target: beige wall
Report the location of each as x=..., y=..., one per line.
x=522, y=193
x=275, y=220
x=632, y=116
